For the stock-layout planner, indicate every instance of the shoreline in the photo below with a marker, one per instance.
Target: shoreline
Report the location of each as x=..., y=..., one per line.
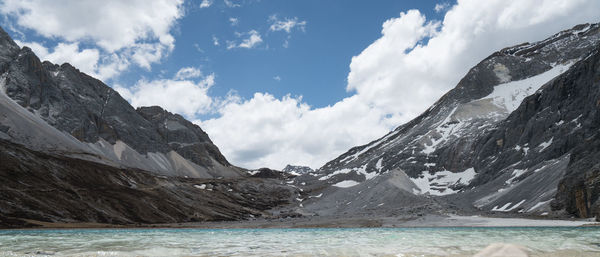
x=427, y=221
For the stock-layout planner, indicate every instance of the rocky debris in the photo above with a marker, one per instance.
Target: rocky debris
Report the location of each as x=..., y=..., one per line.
x=53, y=188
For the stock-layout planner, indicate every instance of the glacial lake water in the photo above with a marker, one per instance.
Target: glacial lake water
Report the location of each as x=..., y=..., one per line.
x=582, y=241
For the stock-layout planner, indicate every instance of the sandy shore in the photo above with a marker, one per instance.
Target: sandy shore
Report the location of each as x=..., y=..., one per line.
x=345, y=222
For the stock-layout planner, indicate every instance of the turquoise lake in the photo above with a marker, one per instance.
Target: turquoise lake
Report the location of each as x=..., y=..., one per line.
x=584, y=241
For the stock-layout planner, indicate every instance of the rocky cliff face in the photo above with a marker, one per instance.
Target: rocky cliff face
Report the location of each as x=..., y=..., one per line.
x=501, y=141
x=93, y=113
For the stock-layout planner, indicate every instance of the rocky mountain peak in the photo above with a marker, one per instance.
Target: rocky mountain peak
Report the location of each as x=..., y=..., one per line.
x=184, y=137
x=8, y=47
x=102, y=122
x=297, y=169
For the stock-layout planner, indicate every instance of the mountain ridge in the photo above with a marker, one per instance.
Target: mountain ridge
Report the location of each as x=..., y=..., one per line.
x=93, y=113
x=456, y=146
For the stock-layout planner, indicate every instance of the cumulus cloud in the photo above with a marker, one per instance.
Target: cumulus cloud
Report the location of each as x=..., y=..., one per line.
x=275, y=132
x=233, y=21
x=394, y=79
x=416, y=61
x=231, y=3
x=206, y=3
x=439, y=7
x=185, y=97
x=188, y=73
x=286, y=24
x=253, y=40
x=132, y=29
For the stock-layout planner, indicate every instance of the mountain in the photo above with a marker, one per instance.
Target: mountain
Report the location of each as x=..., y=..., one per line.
x=518, y=134
x=73, y=150
x=297, y=170
x=94, y=121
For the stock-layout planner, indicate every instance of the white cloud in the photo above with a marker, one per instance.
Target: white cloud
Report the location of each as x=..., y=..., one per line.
x=178, y=96
x=215, y=40
x=88, y=61
x=84, y=60
x=403, y=75
x=188, y=73
x=132, y=29
x=394, y=79
x=252, y=41
x=266, y=131
x=277, y=78
x=439, y=7
x=231, y=4
x=206, y=3
x=286, y=24
x=233, y=21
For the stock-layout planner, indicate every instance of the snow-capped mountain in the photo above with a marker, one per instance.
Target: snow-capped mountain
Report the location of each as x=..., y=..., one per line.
x=503, y=140
x=297, y=170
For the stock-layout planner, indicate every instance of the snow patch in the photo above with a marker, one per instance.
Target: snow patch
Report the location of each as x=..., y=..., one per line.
x=506, y=208
x=368, y=175
x=342, y=171
x=445, y=130
x=379, y=164
x=316, y=196
x=201, y=186
x=253, y=172
x=515, y=174
x=545, y=145
x=346, y=184
x=538, y=205
x=510, y=95
x=440, y=182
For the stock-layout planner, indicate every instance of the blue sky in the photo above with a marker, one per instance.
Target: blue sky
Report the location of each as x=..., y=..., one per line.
x=289, y=82
x=314, y=64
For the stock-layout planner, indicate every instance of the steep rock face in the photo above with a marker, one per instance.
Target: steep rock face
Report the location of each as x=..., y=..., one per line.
x=184, y=137
x=92, y=112
x=551, y=135
x=493, y=138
